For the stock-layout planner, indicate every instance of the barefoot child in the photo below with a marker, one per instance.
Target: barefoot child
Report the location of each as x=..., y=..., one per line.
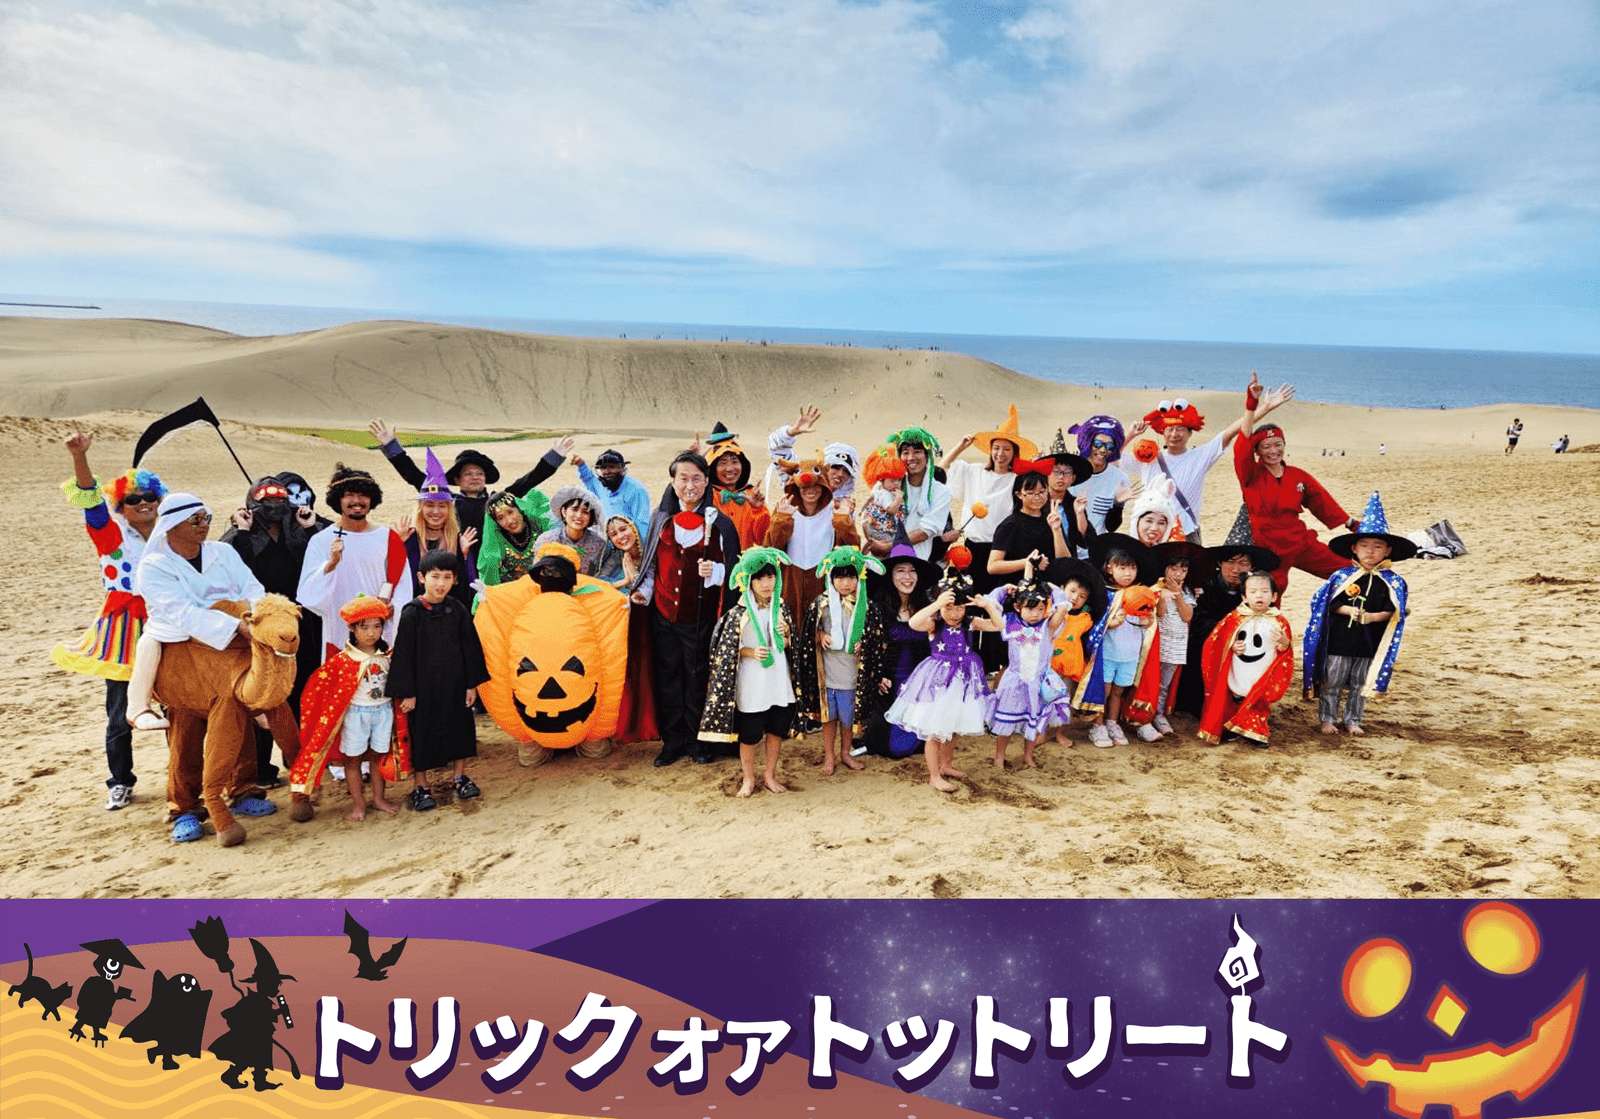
x=1031, y=697
x=946, y=694
x=434, y=672
x=751, y=697
x=1357, y=616
x=842, y=640
x=345, y=704
x=1248, y=663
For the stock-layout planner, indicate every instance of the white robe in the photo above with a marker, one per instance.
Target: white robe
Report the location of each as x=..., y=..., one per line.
x=178, y=598
x=361, y=570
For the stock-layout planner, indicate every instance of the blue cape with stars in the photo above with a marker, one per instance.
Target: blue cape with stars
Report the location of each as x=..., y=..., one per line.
x=1316, y=631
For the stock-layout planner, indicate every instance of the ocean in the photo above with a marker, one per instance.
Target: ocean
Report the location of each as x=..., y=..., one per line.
x=1388, y=378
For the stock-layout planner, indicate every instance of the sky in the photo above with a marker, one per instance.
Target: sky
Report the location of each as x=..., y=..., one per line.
x=1418, y=174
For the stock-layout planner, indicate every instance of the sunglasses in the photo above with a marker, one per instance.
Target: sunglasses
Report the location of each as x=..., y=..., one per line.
x=138, y=498
x=199, y=519
x=1102, y=444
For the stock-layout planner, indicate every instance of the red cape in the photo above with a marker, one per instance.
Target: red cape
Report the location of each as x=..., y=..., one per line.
x=1248, y=716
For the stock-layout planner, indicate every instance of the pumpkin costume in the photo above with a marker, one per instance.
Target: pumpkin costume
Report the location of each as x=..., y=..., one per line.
x=557, y=662
x=861, y=633
x=1271, y=669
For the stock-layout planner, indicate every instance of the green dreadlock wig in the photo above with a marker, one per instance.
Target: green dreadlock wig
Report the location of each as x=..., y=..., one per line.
x=849, y=557
x=744, y=571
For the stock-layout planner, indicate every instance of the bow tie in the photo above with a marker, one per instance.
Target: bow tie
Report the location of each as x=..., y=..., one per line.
x=730, y=497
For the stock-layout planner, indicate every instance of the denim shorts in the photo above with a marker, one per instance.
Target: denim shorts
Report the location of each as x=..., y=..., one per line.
x=1120, y=673
x=366, y=727
x=842, y=705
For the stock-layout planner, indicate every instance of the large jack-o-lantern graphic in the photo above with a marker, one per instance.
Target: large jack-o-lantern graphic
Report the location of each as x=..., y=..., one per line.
x=556, y=661
x=1500, y=938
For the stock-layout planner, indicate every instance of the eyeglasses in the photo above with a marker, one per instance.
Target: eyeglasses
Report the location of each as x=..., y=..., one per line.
x=138, y=498
x=1102, y=444
x=199, y=519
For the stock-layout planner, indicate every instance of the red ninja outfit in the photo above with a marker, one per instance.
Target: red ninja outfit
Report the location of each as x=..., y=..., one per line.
x=1275, y=505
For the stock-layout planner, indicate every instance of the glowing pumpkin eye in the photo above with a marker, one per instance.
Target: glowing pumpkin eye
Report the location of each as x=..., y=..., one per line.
x=525, y=665
x=573, y=665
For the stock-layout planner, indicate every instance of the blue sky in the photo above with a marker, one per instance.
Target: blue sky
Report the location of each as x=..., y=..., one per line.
x=1412, y=174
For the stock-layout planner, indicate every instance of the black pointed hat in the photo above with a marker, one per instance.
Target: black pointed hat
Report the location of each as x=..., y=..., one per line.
x=721, y=442
x=113, y=949
x=266, y=967
x=1058, y=453
x=902, y=551
x=469, y=457
x=1241, y=541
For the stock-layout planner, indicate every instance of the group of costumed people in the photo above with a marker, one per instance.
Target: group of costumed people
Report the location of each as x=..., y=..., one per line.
x=892, y=601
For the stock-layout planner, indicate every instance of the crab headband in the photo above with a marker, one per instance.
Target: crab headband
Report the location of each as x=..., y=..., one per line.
x=750, y=564
x=1175, y=413
x=362, y=607
x=1108, y=426
x=270, y=490
x=133, y=481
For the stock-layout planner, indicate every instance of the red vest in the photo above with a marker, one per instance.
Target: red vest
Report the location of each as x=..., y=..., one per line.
x=680, y=591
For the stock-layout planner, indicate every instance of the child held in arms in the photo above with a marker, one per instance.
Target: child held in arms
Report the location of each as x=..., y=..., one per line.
x=1357, y=616
x=434, y=672
x=1247, y=663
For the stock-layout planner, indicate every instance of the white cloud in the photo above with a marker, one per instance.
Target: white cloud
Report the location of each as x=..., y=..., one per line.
x=811, y=132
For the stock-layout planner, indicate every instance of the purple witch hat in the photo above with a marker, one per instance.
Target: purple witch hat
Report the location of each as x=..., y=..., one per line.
x=434, y=486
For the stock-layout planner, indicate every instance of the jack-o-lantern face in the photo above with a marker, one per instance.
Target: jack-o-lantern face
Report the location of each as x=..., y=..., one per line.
x=1501, y=939
x=1139, y=601
x=562, y=699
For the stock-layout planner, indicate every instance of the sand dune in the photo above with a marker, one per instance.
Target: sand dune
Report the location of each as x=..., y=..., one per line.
x=1481, y=774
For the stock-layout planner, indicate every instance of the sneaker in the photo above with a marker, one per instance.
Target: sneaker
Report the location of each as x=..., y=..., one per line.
x=1099, y=736
x=1161, y=724
x=422, y=800
x=1114, y=729
x=857, y=751
x=465, y=789
x=121, y=796
x=1148, y=733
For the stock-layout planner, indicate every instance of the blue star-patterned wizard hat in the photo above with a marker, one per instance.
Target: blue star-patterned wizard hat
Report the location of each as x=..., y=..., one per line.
x=1375, y=524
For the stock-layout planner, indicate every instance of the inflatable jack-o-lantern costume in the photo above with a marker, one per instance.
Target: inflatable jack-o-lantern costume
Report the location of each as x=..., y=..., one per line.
x=556, y=644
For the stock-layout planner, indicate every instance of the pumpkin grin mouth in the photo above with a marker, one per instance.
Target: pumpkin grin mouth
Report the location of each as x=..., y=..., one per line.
x=540, y=723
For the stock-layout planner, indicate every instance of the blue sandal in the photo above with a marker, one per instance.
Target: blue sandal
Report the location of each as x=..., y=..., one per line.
x=187, y=828
x=254, y=807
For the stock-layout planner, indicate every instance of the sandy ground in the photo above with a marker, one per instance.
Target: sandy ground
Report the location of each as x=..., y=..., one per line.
x=1480, y=774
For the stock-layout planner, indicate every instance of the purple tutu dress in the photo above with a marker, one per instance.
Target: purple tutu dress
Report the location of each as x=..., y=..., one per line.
x=1031, y=698
x=946, y=694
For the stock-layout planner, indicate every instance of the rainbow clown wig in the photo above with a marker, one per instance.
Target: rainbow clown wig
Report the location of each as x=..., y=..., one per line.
x=133, y=481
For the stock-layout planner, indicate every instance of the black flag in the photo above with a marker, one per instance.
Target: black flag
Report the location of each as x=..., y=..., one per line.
x=198, y=412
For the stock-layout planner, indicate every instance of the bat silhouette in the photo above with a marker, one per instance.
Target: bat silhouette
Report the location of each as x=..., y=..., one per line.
x=361, y=949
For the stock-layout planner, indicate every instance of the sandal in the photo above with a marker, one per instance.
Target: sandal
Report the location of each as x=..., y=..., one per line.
x=148, y=720
x=465, y=789
x=422, y=800
x=187, y=828
x=255, y=807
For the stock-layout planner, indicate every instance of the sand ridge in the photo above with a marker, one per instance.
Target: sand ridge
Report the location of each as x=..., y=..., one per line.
x=1480, y=775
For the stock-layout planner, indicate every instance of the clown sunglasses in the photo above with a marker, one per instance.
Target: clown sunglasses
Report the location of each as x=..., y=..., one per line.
x=139, y=497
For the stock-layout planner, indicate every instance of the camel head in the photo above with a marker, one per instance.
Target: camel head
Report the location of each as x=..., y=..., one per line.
x=275, y=625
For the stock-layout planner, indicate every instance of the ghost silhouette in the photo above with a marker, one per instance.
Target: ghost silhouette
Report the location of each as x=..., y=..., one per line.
x=175, y=1019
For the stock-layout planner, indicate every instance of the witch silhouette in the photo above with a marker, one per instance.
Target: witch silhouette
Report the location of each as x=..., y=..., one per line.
x=249, y=1041
x=100, y=993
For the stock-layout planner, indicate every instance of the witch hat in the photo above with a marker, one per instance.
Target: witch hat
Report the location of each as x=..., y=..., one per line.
x=1241, y=541
x=266, y=973
x=720, y=434
x=1026, y=448
x=1143, y=557
x=1179, y=546
x=435, y=486
x=721, y=442
x=1058, y=454
x=1374, y=523
x=902, y=551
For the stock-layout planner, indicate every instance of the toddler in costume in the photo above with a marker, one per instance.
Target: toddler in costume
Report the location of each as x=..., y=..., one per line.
x=1248, y=662
x=946, y=694
x=1077, y=593
x=345, y=707
x=1122, y=640
x=1031, y=697
x=1174, y=609
x=1357, y=616
x=841, y=642
x=751, y=696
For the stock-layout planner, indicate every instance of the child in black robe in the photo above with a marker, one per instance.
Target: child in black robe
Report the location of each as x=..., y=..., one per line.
x=434, y=671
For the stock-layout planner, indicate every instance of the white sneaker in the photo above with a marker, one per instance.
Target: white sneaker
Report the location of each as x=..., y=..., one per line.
x=121, y=796
x=1161, y=724
x=1114, y=729
x=1148, y=733
x=857, y=751
x=1099, y=736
